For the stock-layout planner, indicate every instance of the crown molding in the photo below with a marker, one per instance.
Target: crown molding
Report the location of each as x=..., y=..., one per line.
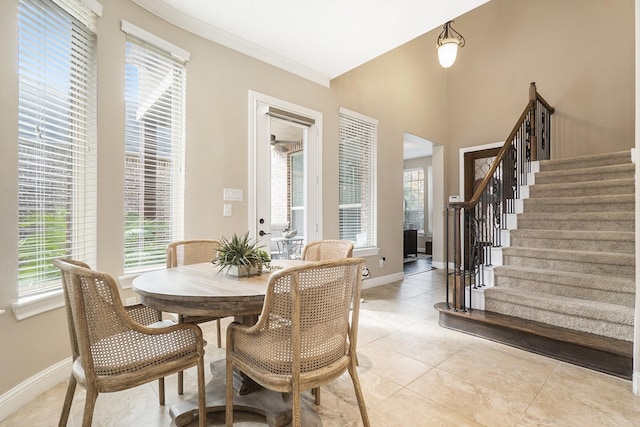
x=214, y=34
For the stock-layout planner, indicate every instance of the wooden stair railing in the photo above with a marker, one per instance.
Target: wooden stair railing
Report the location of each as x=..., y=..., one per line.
x=477, y=223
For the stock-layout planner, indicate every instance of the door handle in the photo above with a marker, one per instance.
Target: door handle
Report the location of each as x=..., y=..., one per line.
x=262, y=233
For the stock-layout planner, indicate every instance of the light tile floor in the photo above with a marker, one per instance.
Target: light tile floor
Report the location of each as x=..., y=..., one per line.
x=413, y=372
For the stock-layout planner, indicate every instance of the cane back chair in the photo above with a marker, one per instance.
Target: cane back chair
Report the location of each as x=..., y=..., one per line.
x=325, y=250
x=186, y=252
x=111, y=352
x=306, y=334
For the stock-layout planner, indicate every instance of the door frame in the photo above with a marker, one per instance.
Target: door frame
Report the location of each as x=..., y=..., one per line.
x=313, y=162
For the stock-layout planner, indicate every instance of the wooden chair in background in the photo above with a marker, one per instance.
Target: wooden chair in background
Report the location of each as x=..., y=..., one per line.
x=324, y=250
x=186, y=252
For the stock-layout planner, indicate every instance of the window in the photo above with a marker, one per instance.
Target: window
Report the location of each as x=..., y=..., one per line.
x=357, y=178
x=154, y=146
x=414, y=199
x=297, y=191
x=56, y=139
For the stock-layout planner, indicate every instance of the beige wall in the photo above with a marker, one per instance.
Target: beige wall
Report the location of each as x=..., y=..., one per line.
x=475, y=102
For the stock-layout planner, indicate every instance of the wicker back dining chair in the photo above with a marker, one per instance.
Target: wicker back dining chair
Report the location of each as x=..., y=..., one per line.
x=305, y=335
x=112, y=352
x=324, y=250
x=186, y=252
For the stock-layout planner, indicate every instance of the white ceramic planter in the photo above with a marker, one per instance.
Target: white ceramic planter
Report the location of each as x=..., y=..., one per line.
x=241, y=271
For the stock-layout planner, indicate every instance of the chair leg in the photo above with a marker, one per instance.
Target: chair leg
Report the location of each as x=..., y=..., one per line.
x=181, y=382
x=229, y=393
x=89, y=406
x=161, y=391
x=68, y=400
x=202, y=403
x=316, y=393
x=219, y=334
x=359, y=396
x=295, y=413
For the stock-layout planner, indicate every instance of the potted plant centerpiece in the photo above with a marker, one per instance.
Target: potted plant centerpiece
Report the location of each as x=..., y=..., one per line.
x=241, y=256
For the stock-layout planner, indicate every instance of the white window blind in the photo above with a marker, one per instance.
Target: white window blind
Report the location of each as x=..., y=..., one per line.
x=56, y=140
x=357, y=178
x=154, y=154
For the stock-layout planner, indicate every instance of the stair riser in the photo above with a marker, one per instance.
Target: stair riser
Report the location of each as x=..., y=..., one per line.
x=531, y=207
x=625, y=247
x=531, y=224
x=577, y=267
x=582, y=292
x=595, y=326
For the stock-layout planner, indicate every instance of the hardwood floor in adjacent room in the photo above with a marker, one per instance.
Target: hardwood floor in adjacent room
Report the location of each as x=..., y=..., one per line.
x=413, y=373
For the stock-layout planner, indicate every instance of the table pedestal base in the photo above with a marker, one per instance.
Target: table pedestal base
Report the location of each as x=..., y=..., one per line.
x=263, y=402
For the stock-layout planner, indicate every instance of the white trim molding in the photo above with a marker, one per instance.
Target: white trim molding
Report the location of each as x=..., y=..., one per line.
x=36, y=304
x=372, y=282
x=33, y=387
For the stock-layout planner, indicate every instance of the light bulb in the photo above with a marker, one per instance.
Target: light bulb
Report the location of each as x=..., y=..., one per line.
x=447, y=52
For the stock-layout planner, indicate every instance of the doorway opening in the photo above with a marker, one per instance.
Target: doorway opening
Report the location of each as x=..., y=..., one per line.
x=418, y=204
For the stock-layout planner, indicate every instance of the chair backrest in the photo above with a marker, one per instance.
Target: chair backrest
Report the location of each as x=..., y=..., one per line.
x=95, y=310
x=307, y=312
x=325, y=250
x=70, y=324
x=187, y=252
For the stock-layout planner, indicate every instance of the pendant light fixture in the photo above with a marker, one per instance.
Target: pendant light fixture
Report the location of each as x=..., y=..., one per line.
x=448, y=42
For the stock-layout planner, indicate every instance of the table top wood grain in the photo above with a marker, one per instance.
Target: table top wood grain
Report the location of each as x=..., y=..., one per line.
x=203, y=290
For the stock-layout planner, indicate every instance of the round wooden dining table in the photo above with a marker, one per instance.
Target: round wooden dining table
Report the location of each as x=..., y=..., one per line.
x=204, y=290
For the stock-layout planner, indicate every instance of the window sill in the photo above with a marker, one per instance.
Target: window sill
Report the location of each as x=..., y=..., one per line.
x=36, y=304
x=364, y=252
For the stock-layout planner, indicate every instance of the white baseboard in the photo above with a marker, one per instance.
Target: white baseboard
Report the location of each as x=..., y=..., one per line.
x=440, y=265
x=372, y=282
x=33, y=387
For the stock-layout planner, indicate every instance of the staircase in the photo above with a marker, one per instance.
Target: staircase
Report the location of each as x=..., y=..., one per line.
x=562, y=283
x=571, y=261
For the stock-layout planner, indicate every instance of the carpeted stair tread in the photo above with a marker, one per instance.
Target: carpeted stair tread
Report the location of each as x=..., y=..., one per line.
x=587, y=188
x=604, y=221
x=599, y=173
x=581, y=162
x=571, y=260
x=587, y=240
x=604, y=288
x=589, y=316
x=601, y=203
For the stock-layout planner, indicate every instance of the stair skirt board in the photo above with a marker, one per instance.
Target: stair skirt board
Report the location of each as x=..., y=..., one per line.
x=603, y=354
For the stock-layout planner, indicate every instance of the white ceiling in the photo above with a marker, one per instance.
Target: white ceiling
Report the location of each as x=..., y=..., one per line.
x=316, y=39
x=415, y=147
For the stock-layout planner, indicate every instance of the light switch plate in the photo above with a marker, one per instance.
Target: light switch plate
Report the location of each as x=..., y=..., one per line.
x=226, y=209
